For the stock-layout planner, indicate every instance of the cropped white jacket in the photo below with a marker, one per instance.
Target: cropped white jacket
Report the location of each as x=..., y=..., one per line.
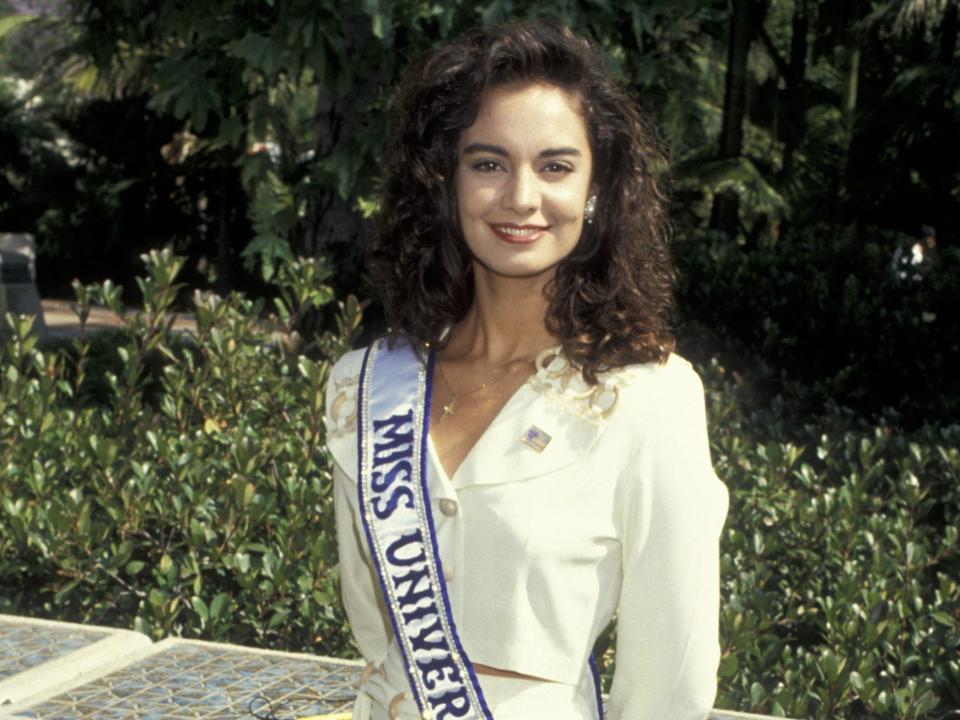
x=620, y=512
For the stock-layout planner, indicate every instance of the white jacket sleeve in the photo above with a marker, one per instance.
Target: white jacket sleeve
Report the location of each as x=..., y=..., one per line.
x=362, y=597
x=673, y=510
x=359, y=586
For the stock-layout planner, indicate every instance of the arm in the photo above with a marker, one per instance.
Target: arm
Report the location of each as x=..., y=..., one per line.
x=359, y=587
x=672, y=512
x=358, y=582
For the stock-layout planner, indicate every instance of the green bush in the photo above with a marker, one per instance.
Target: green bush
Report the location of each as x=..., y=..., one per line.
x=840, y=563
x=181, y=486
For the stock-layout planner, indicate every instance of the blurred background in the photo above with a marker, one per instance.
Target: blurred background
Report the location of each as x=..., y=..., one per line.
x=815, y=170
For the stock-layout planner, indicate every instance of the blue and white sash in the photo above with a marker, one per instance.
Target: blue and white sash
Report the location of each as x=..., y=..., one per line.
x=393, y=420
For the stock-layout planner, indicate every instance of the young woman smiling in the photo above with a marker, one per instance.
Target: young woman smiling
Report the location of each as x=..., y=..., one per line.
x=565, y=469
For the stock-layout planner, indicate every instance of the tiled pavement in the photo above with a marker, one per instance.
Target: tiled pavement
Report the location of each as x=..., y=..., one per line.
x=72, y=672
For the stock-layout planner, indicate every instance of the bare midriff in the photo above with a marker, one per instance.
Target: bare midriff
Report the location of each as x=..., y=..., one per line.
x=487, y=670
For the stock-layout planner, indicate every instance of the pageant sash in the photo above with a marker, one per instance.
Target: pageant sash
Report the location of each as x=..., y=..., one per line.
x=393, y=420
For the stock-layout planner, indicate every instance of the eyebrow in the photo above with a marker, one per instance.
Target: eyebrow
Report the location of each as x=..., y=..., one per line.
x=502, y=152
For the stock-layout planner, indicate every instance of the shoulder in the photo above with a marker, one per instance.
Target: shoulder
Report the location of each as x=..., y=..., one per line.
x=342, y=392
x=347, y=368
x=342, y=385
x=662, y=419
x=631, y=391
x=659, y=381
x=657, y=396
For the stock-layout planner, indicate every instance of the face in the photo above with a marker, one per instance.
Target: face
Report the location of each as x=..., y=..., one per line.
x=522, y=181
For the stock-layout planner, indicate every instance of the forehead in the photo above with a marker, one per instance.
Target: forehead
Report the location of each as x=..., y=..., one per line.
x=526, y=115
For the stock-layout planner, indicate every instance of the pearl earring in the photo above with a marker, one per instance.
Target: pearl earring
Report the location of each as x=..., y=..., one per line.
x=590, y=209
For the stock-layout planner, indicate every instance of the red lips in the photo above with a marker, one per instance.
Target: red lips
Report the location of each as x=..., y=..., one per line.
x=518, y=234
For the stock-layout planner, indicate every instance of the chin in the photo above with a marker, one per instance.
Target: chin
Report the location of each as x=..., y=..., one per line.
x=516, y=270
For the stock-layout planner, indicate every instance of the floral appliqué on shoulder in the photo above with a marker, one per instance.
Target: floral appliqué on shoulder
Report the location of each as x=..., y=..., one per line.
x=342, y=417
x=558, y=379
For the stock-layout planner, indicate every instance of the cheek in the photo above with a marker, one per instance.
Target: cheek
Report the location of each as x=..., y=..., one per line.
x=473, y=198
x=568, y=204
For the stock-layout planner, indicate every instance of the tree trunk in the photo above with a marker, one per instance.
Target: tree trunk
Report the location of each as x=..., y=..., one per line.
x=735, y=92
x=725, y=213
x=841, y=210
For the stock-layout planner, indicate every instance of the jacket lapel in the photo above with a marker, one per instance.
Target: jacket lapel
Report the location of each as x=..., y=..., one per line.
x=501, y=454
x=508, y=449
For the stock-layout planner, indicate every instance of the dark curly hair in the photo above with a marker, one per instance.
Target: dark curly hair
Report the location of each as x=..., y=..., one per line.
x=610, y=299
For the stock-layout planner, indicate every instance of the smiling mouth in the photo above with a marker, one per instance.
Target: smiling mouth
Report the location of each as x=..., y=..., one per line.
x=519, y=233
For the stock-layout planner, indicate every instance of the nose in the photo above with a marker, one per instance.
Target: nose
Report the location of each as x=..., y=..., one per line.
x=522, y=194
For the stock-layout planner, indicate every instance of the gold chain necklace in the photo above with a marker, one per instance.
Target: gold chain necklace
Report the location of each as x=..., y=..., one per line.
x=448, y=408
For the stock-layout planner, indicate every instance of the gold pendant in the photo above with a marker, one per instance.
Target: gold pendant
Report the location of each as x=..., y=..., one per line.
x=448, y=408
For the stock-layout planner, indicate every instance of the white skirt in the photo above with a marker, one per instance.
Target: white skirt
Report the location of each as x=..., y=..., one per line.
x=508, y=698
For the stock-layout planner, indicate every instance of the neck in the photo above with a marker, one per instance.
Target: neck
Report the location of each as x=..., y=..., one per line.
x=505, y=323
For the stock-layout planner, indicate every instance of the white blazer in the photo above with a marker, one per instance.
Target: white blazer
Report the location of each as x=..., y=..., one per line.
x=620, y=512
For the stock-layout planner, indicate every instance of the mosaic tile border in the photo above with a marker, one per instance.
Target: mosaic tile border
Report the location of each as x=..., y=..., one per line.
x=180, y=679
x=58, y=654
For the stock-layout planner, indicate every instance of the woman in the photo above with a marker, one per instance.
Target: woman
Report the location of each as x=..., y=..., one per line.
x=523, y=264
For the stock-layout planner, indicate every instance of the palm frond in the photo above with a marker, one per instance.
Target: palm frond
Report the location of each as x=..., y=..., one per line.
x=918, y=84
x=914, y=14
x=739, y=174
x=12, y=22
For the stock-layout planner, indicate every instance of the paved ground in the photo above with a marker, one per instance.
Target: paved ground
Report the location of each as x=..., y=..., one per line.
x=62, y=321
x=64, y=671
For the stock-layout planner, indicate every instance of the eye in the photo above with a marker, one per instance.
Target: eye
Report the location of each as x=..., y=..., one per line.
x=487, y=166
x=555, y=166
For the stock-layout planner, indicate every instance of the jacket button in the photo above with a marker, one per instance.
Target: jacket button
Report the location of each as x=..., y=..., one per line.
x=447, y=574
x=448, y=507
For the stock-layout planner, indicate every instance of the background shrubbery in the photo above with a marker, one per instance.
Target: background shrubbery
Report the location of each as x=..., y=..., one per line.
x=841, y=562
x=175, y=483
x=827, y=316
x=179, y=484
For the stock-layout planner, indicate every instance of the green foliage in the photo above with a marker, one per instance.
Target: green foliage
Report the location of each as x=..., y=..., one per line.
x=90, y=196
x=836, y=313
x=191, y=493
x=840, y=564
x=265, y=90
x=10, y=23
x=289, y=97
x=279, y=111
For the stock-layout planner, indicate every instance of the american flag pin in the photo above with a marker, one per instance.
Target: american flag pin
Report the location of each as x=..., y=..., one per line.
x=536, y=438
